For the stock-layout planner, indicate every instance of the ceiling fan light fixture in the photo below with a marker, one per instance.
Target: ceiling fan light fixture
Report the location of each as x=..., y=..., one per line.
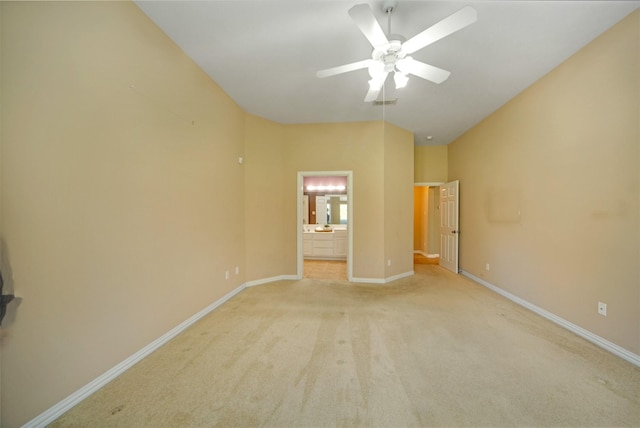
x=401, y=79
x=376, y=70
x=375, y=83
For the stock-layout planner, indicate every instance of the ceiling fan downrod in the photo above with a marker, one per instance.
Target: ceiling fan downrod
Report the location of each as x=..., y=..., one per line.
x=388, y=7
x=393, y=49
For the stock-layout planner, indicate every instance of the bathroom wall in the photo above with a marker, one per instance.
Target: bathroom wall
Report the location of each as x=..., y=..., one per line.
x=419, y=218
x=433, y=220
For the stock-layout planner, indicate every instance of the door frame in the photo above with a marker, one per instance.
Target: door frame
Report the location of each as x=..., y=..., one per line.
x=350, y=222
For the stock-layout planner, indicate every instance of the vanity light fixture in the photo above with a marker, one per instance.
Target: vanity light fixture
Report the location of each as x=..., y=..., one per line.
x=322, y=188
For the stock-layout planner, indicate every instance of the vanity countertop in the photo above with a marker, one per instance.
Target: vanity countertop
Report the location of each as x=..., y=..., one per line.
x=312, y=230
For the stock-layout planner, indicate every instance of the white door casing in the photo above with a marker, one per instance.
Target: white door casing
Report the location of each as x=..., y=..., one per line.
x=350, y=218
x=449, y=233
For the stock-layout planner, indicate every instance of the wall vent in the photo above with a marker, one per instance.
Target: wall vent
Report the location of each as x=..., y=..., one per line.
x=389, y=102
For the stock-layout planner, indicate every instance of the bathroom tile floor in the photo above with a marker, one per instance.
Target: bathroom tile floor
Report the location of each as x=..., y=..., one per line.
x=325, y=269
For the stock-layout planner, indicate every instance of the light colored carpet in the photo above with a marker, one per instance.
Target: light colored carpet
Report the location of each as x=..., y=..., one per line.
x=434, y=349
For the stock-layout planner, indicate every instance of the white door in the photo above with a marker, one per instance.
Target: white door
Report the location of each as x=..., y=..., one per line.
x=305, y=209
x=321, y=210
x=449, y=226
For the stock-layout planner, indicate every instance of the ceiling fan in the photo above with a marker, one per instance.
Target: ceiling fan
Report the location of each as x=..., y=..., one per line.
x=392, y=54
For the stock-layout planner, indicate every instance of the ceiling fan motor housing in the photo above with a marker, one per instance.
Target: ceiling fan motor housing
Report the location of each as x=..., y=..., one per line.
x=386, y=56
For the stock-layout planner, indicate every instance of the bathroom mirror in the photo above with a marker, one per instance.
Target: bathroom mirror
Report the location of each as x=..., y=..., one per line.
x=336, y=209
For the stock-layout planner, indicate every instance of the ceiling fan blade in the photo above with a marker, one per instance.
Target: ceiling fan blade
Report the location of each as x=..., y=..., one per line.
x=363, y=16
x=375, y=86
x=462, y=18
x=420, y=69
x=344, y=68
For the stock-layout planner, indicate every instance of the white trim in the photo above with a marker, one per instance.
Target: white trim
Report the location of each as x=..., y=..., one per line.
x=368, y=280
x=272, y=279
x=431, y=183
x=427, y=255
x=54, y=412
x=586, y=334
x=350, y=217
x=382, y=280
x=398, y=276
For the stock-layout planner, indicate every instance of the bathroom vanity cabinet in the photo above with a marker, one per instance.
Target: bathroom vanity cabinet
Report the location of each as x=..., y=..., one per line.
x=325, y=245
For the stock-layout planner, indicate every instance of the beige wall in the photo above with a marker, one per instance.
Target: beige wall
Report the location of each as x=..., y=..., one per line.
x=265, y=199
x=120, y=215
x=398, y=196
x=430, y=164
x=2, y=252
x=550, y=189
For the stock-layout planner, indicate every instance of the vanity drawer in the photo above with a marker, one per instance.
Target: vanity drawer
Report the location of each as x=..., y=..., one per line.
x=308, y=247
x=323, y=252
x=322, y=236
x=317, y=243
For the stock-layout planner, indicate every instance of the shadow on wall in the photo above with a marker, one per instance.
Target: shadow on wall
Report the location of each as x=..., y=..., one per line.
x=8, y=302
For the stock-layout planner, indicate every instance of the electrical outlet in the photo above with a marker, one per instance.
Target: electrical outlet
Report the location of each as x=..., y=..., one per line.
x=237, y=270
x=487, y=266
x=602, y=309
x=226, y=275
x=389, y=262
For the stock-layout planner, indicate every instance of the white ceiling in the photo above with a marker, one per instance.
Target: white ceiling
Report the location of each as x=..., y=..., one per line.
x=265, y=55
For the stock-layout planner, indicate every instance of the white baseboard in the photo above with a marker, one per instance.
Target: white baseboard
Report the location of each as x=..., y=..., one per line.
x=368, y=280
x=427, y=255
x=272, y=279
x=399, y=276
x=54, y=412
x=586, y=334
x=382, y=280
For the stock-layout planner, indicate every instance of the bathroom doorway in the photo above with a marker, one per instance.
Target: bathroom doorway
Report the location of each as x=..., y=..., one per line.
x=325, y=224
x=426, y=216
